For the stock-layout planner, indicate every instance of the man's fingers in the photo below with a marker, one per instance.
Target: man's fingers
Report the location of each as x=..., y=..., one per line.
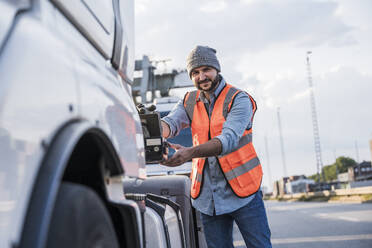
x=170, y=162
x=175, y=146
x=175, y=160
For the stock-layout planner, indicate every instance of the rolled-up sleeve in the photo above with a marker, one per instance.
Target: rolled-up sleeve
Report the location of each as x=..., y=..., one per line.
x=177, y=119
x=238, y=119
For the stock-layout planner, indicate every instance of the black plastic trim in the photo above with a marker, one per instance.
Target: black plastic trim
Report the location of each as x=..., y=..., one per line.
x=160, y=210
x=48, y=180
x=176, y=207
x=118, y=38
x=127, y=217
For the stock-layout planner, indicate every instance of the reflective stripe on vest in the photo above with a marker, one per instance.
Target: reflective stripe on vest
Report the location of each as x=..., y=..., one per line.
x=244, y=168
x=245, y=140
x=190, y=103
x=198, y=177
x=228, y=99
x=241, y=167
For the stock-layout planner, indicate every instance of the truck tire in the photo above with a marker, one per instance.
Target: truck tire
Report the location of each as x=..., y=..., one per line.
x=80, y=220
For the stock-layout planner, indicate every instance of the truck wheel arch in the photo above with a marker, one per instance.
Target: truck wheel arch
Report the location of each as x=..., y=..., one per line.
x=66, y=155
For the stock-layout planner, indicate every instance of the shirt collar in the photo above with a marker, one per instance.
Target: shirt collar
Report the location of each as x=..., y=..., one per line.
x=218, y=90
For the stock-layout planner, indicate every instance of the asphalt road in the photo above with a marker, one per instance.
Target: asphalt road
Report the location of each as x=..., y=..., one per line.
x=317, y=225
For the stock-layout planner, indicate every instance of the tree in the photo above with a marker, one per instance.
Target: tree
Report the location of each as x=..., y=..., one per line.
x=330, y=172
x=343, y=163
x=314, y=177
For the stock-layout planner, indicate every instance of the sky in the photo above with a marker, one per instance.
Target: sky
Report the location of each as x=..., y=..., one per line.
x=262, y=47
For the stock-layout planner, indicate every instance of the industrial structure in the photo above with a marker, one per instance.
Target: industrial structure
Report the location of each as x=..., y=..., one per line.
x=152, y=82
x=318, y=151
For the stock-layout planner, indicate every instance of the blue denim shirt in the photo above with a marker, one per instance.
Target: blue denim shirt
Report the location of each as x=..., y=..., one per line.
x=216, y=195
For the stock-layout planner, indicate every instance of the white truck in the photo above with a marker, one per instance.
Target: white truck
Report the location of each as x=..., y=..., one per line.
x=70, y=133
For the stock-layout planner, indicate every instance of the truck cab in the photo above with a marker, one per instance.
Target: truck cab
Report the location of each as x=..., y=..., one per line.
x=72, y=153
x=68, y=126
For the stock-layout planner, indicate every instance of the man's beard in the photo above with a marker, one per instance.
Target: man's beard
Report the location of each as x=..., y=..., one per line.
x=213, y=85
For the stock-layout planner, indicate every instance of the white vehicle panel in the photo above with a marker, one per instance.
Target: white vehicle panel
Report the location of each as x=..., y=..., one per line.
x=102, y=92
x=32, y=108
x=9, y=9
x=94, y=18
x=127, y=22
x=47, y=79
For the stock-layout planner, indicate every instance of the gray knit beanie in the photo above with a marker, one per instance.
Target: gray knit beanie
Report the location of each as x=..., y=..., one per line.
x=202, y=56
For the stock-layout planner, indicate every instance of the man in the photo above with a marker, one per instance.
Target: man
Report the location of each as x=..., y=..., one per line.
x=226, y=173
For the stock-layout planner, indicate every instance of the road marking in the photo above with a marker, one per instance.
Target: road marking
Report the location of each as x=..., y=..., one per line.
x=349, y=219
x=353, y=216
x=307, y=205
x=313, y=239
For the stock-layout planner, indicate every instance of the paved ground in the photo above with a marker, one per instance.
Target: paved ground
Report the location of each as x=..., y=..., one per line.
x=317, y=225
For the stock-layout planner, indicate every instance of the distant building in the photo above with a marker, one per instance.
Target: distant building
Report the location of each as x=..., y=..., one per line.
x=291, y=185
x=279, y=187
x=344, y=177
x=361, y=171
x=298, y=184
x=282, y=182
x=276, y=189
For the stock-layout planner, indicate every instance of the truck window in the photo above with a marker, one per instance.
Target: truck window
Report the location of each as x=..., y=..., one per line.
x=94, y=19
x=102, y=11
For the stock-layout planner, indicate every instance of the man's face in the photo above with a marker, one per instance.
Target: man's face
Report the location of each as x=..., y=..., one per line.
x=204, y=78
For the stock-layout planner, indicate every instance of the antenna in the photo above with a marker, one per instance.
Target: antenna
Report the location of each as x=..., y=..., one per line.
x=318, y=150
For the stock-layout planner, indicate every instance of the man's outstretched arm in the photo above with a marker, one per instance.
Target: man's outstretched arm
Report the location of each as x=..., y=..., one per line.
x=211, y=148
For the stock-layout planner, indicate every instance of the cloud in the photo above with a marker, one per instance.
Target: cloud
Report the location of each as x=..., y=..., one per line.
x=240, y=27
x=299, y=95
x=261, y=46
x=237, y=29
x=213, y=6
x=343, y=101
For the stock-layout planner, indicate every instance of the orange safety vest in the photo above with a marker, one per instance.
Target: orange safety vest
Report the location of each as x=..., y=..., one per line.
x=241, y=167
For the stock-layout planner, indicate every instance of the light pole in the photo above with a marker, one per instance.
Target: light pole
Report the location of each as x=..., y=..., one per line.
x=281, y=143
x=268, y=161
x=357, y=152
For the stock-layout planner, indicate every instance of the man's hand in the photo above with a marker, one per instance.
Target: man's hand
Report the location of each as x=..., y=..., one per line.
x=165, y=129
x=182, y=155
